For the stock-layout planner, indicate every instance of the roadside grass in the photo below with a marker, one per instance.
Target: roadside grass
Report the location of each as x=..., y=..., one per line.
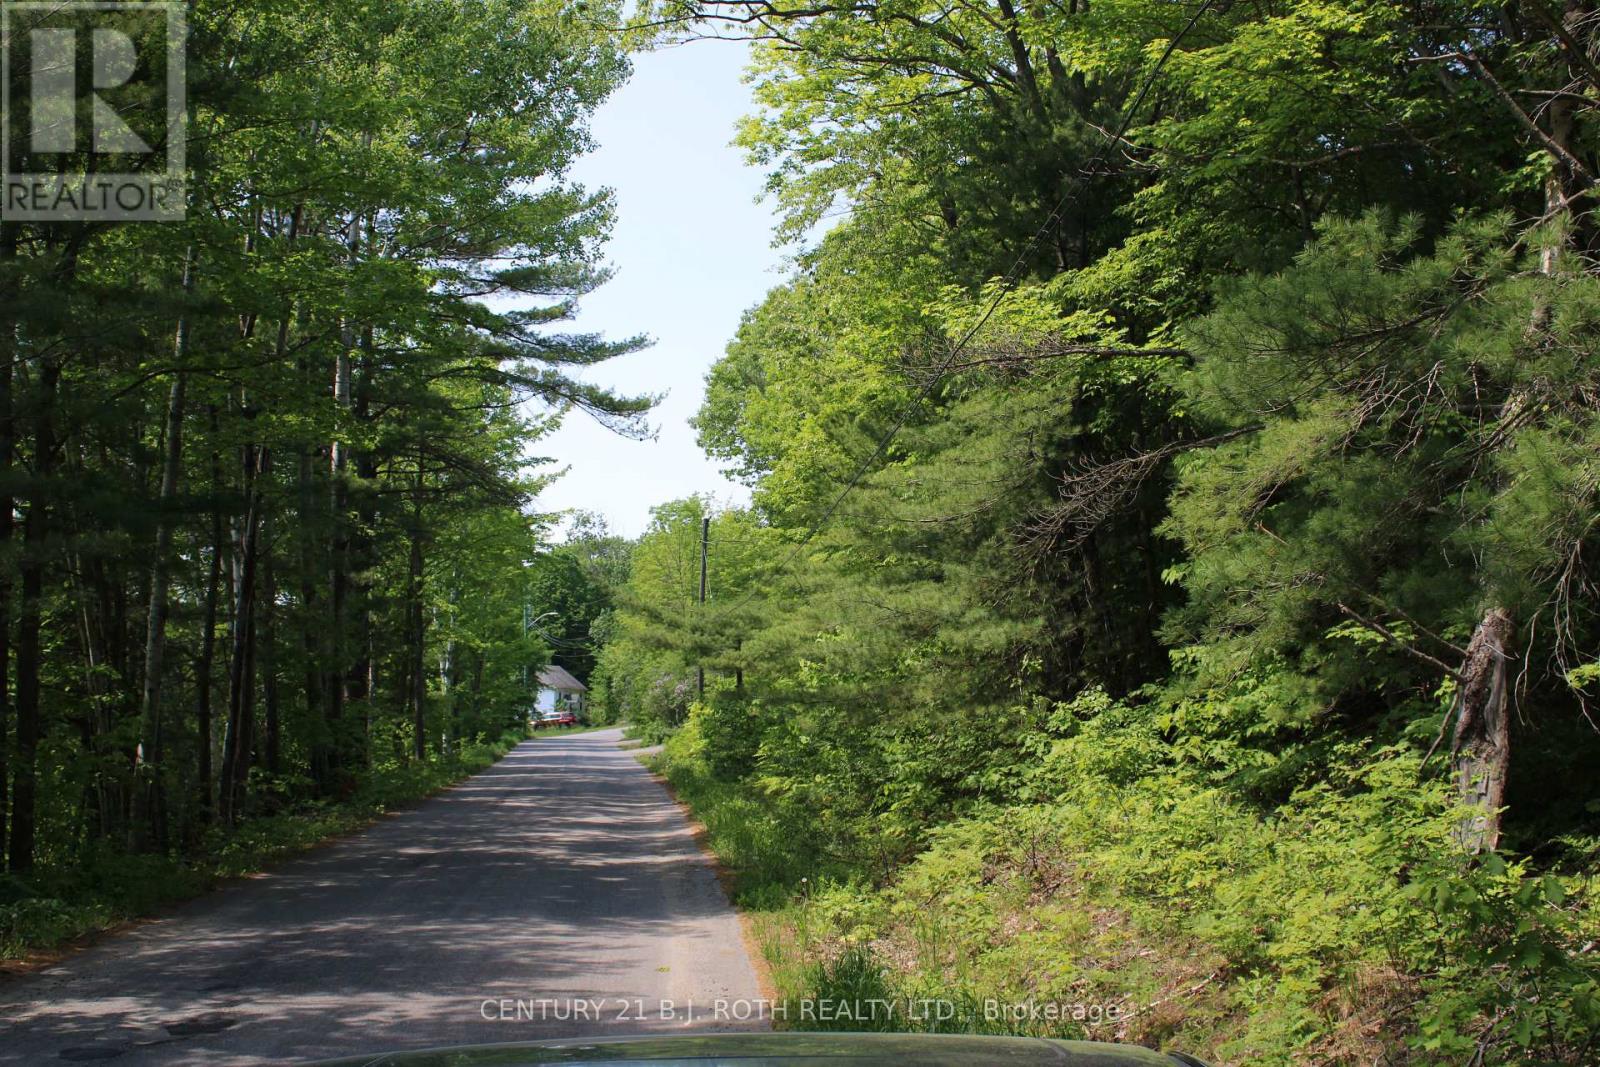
x=768, y=855
x=963, y=940
x=651, y=732
x=1155, y=909
x=55, y=905
x=567, y=731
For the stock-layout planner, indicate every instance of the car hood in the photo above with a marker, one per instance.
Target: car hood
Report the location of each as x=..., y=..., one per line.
x=787, y=1049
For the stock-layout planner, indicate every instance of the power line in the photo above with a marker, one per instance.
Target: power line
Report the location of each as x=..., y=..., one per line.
x=1008, y=283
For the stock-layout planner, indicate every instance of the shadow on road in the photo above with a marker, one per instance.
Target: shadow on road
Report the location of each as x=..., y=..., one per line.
x=562, y=873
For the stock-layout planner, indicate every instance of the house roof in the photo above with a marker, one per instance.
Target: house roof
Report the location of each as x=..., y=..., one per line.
x=559, y=679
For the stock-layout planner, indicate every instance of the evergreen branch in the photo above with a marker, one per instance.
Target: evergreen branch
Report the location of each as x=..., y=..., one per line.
x=1404, y=646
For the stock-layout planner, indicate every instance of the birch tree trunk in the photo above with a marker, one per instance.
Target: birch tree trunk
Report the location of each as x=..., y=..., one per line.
x=272, y=738
x=417, y=682
x=337, y=680
x=237, y=736
x=8, y=355
x=208, y=641
x=35, y=533
x=146, y=829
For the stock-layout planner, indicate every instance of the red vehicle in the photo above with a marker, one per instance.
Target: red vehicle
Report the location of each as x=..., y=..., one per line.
x=555, y=717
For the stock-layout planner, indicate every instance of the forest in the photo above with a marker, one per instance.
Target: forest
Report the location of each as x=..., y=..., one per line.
x=1169, y=580
x=267, y=548
x=1170, y=583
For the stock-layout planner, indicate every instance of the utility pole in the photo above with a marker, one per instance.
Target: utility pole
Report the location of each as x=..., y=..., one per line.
x=705, y=540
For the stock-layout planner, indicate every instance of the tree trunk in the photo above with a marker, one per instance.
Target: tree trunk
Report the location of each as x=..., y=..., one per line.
x=416, y=622
x=35, y=532
x=146, y=826
x=447, y=668
x=272, y=745
x=449, y=672
x=1481, y=746
x=273, y=740
x=208, y=641
x=104, y=791
x=323, y=763
x=336, y=680
x=337, y=683
x=8, y=354
x=236, y=741
x=313, y=636
x=363, y=554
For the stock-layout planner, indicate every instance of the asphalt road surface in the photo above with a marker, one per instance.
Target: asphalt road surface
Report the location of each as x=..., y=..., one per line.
x=559, y=893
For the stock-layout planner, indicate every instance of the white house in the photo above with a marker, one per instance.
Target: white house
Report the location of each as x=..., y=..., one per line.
x=559, y=689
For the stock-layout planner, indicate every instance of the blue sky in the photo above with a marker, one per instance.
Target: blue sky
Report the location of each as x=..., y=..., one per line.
x=692, y=250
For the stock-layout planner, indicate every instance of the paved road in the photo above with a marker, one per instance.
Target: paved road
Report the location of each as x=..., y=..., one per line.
x=561, y=875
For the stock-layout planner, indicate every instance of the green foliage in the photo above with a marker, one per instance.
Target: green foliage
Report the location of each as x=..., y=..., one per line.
x=762, y=839
x=264, y=527
x=105, y=886
x=1335, y=922
x=1123, y=513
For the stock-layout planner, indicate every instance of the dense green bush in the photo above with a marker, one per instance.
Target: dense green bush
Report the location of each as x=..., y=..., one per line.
x=1338, y=924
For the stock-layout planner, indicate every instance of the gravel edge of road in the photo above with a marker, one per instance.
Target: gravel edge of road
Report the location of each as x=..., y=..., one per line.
x=725, y=877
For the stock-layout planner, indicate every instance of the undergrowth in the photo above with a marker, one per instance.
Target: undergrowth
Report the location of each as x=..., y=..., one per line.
x=1119, y=893
x=56, y=904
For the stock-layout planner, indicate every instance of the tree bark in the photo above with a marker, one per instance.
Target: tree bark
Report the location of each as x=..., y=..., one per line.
x=447, y=669
x=236, y=738
x=417, y=687
x=8, y=355
x=361, y=687
x=323, y=763
x=337, y=681
x=208, y=641
x=99, y=624
x=146, y=827
x=35, y=532
x=1481, y=747
x=272, y=740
